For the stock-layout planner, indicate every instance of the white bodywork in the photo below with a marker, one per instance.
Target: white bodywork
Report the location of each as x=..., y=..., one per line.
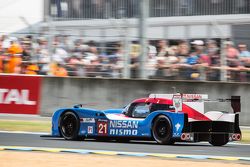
x=199, y=106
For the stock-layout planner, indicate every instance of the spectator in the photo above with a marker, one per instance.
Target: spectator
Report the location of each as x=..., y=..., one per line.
x=162, y=48
x=14, y=48
x=60, y=71
x=171, y=60
x=14, y=64
x=43, y=60
x=244, y=55
x=232, y=55
x=134, y=60
x=134, y=66
x=60, y=55
x=197, y=59
x=32, y=69
x=26, y=46
x=182, y=54
x=213, y=53
x=245, y=61
x=118, y=62
x=160, y=66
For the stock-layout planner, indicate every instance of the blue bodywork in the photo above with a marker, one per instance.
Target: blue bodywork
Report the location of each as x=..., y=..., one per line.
x=113, y=123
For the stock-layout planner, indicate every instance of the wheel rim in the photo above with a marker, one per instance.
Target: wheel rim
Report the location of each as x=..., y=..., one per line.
x=161, y=129
x=68, y=125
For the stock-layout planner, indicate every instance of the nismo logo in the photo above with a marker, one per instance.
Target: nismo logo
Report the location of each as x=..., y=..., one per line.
x=124, y=124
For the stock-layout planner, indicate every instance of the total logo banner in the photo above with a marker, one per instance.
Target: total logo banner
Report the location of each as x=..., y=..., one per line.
x=19, y=94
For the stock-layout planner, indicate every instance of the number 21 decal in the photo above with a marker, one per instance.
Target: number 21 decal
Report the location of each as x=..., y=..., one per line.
x=102, y=128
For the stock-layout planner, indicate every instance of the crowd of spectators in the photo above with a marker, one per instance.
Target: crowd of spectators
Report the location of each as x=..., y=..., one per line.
x=188, y=60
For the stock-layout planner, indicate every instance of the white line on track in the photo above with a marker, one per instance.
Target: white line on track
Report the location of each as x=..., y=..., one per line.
x=24, y=132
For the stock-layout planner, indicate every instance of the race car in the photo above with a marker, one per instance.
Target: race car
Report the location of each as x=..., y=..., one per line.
x=165, y=118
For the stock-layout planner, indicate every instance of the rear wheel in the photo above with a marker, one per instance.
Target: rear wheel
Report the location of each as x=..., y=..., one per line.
x=162, y=130
x=218, y=139
x=69, y=126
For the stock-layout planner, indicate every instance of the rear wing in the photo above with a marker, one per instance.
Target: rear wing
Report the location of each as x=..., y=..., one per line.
x=196, y=101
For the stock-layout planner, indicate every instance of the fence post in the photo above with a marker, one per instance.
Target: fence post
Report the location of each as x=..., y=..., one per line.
x=144, y=13
x=126, y=43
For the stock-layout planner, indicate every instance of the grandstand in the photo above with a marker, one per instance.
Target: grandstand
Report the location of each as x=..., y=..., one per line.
x=101, y=38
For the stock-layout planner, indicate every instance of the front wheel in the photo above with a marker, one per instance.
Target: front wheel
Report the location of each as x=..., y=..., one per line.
x=218, y=139
x=162, y=130
x=69, y=126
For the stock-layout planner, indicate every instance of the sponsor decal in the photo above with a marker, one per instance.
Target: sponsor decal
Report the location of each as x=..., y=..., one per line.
x=177, y=127
x=192, y=96
x=102, y=128
x=102, y=120
x=19, y=94
x=90, y=129
x=123, y=127
x=88, y=120
x=15, y=96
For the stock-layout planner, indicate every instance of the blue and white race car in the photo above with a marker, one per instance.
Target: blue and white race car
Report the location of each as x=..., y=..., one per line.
x=165, y=118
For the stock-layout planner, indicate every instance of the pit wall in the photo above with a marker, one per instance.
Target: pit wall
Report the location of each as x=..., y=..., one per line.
x=115, y=93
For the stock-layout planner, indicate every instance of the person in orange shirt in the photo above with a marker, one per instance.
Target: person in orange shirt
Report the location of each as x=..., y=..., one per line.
x=60, y=71
x=15, y=60
x=14, y=63
x=32, y=69
x=14, y=48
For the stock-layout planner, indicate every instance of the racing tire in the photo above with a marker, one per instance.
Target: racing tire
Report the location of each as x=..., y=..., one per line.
x=218, y=139
x=69, y=126
x=162, y=130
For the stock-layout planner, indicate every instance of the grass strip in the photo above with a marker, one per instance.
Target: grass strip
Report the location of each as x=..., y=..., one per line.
x=30, y=126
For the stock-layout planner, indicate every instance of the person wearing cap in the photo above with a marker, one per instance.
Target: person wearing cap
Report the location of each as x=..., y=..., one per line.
x=198, y=57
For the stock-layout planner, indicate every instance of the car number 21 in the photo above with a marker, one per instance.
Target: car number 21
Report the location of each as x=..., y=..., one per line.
x=102, y=128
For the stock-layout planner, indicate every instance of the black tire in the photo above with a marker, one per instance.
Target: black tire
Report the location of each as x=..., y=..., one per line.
x=69, y=126
x=162, y=130
x=218, y=139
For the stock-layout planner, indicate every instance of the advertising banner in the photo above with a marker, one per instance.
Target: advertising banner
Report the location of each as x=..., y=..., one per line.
x=19, y=94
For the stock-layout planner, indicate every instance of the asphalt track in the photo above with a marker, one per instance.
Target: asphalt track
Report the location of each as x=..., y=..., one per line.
x=34, y=140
